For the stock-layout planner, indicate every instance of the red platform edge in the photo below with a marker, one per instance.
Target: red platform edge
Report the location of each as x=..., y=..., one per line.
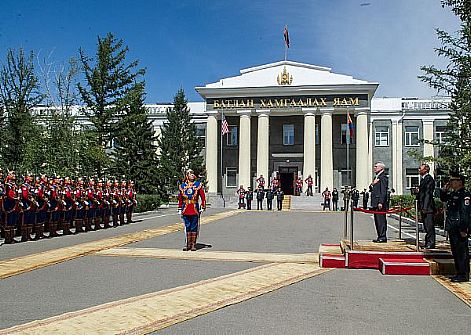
x=332, y=261
x=404, y=266
x=370, y=259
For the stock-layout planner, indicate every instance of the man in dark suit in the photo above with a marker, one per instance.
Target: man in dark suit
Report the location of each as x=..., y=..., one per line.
x=426, y=204
x=379, y=197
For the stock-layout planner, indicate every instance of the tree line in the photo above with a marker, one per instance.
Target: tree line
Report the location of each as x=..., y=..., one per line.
x=116, y=141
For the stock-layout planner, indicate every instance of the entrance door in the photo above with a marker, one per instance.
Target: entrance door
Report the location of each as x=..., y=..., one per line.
x=288, y=177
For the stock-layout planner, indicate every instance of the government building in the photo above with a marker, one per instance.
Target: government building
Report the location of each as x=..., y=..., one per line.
x=292, y=119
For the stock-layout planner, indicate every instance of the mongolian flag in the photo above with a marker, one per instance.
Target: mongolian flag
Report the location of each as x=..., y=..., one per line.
x=224, y=126
x=286, y=36
x=350, y=125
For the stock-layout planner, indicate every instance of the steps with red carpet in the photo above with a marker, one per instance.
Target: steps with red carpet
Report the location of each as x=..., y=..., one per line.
x=332, y=261
x=404, y=266
x=370, y=259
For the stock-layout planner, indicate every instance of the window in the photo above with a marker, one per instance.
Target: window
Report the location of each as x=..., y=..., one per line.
x=412, y=136
x=232, y=136
x=345, y=134
x=231, y=177
x=288, y=134
x=440, y=134
x=318, y=141
x=412, y=178
x=381, y=136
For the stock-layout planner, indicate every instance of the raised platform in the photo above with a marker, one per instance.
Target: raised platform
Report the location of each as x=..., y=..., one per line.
x=392, y=258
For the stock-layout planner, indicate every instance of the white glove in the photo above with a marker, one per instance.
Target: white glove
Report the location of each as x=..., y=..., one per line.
x=179, y=211
x=201, y=210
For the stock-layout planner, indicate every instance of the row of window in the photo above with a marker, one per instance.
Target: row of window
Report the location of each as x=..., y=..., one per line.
x=411, y=135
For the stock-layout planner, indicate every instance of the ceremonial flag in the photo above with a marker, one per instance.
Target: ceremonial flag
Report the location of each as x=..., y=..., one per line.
x=286, y=36
x=350, y=125
x=224, y=126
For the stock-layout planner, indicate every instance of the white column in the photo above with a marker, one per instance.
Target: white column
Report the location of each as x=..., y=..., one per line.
x=263, y=141
x=396, y=144
x=157, y=134
x=309, y=164
x=327, y=165
x=212, y=153
x=362, y=180
x=244, y=148
x=428, y=147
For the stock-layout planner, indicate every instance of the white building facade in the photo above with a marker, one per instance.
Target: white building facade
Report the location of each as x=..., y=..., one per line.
x=291, y=119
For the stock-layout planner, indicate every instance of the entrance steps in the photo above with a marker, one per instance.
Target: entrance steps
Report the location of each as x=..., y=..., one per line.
x=392, y=258
x=303, y=202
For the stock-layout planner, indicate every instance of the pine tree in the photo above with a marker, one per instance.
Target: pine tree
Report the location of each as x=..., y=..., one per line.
x=455, y=81
x=108, y=83
x=135, y=153
x=19, y=93
x=179, y=145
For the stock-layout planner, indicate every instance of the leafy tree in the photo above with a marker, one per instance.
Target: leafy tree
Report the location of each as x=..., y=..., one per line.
x=179, y=145
x=455, y=81
x=136, y=152
x=19, y=93
x=108, y=82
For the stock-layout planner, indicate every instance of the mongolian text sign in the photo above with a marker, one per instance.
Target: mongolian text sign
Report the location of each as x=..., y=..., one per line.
x=296, y=102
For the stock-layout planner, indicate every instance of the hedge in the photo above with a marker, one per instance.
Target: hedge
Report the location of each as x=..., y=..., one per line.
x=147, y=202
x=408, y=200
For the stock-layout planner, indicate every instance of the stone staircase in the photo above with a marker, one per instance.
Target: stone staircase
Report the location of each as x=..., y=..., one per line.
x=303, y=202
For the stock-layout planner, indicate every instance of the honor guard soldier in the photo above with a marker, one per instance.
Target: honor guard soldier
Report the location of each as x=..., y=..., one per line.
x=355, y=197
x=116, y=204
x=43, y=207
x=280, y=195
x=457, y=224
x=241, y=194
x=366, y=196
x=260, y=196
x=335, y=199
x=54, y=207
x=99, y=204
x=309, y=182
x=261, y=181
x=269, y=195
x=131, y=200
x=249, y=198
x=299, y=185
x=80, y=206
x=68, y=200
x=191, y=192
x=106, y=213
x=29, y=207
x=11, y=208
x=91, y=204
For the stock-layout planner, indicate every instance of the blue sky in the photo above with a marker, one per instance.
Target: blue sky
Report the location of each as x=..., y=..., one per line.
x=192, y=43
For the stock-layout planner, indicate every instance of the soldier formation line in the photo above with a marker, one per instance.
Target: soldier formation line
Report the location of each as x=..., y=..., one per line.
x=49, y=204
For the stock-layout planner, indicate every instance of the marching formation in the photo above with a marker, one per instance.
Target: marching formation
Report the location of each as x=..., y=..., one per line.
x=49, y=204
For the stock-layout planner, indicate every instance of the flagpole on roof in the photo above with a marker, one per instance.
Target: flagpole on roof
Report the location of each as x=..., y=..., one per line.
x=286, y=37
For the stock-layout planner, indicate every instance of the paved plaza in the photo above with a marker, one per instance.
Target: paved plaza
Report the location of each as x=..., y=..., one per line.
x=256, y=272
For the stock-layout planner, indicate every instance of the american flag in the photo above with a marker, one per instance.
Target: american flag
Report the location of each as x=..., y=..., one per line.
x=286, y=36
x=224, y=126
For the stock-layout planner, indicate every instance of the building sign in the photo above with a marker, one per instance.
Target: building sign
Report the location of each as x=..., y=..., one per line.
x=293, y=102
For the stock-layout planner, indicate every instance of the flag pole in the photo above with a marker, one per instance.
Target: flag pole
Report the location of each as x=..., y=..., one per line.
x=222, y=172
x=286, y=52
x=349, y=173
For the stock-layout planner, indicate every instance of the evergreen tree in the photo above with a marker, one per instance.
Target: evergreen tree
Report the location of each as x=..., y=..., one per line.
x=135, y=153
x=180, y=148
x=19, y=93
x=455, y=81
x=108, y=83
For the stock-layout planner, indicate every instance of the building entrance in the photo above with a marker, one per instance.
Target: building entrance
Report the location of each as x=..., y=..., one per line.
x=288, y=177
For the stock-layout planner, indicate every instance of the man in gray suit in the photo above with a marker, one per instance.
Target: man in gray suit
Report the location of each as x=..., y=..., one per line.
x=379, y=201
